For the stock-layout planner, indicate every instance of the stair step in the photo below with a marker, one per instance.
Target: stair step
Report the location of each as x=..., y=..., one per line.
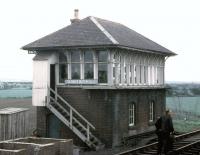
x=92, y=138
x=95, y=143
x=75, y=124
x=79, y=128
x=66, y=116
x=61, y=110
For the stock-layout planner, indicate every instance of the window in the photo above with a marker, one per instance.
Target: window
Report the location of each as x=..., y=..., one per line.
x=145, y=74
x=114, y=72
x=140, y=70
x=88, y=65
x=151, y=111
x=157, y=75
x=131, y=114
x=125, y=73
x=135, y=74
x=103, y=56
x=75, y=67
x=120, y=69
x=75, y=64
x=79, y=65
x=130, y=74
x=63, y=69
x=63, y=73
x=75, y=56
x=114, y=65
x=102, y=73
x=102, y=67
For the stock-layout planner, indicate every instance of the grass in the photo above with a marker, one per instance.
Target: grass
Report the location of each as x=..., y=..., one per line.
x=186, y=126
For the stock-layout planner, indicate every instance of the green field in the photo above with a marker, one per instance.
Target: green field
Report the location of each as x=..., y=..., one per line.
x=188, y=104
x=186, y=112
x=187, y=109
x=16, y=93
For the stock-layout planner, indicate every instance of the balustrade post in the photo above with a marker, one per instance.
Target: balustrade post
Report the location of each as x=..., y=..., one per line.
x=71, y=117
x=47, y=97
x=56, y=96
x=88, y=132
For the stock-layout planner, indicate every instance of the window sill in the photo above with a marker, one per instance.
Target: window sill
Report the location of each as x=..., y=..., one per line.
x=132, y=127
x=151, y=123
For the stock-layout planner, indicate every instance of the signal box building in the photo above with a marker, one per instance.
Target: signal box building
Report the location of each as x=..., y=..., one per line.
x=97, y=81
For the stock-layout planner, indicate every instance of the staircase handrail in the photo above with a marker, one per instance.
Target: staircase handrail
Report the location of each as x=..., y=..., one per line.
x=74, y=110
x=76, y=120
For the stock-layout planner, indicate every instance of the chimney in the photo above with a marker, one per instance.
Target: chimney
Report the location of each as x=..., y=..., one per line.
x=76, y=16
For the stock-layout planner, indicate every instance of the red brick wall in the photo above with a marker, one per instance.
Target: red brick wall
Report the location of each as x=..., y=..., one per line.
x=107, y=110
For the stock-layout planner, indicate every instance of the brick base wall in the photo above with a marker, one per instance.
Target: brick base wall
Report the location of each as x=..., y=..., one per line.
x=107, y=110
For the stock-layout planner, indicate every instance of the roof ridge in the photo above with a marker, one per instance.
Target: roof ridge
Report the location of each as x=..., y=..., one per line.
x=108, y=35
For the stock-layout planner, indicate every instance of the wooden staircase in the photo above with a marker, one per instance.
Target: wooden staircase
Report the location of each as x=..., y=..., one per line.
x=73, y=119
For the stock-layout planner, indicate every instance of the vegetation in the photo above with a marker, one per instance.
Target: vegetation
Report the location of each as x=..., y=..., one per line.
x=183, y=89
x=186, y=126
x=11, y=85
x=184, y=100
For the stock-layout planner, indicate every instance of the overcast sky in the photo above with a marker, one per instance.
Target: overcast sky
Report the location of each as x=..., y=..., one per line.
x=175, y=24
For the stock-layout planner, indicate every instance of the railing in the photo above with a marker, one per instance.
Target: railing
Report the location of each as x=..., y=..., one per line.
x=71, y=111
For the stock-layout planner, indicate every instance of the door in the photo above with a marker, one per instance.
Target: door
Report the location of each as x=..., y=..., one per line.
x=52, y=79
x=52, y=76
x=54, y=126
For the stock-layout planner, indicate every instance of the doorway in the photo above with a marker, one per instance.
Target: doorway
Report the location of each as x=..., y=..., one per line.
x=52, y=77
x=54, y=126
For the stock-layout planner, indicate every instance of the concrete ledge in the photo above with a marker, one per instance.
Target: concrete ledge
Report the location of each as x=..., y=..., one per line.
x=39, y=146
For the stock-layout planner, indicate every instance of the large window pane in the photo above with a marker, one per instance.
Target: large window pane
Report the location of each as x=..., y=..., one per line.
x=103, y=56
x=62, y=57
x=75, y=70
x=102, y=73
x=89, y=71
x=75, y=56
x=130, y=74
x=62, y=73
x=88, y=56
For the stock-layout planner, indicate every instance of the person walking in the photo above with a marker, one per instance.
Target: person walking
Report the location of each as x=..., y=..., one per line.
x=158, y=125
x=164, y=128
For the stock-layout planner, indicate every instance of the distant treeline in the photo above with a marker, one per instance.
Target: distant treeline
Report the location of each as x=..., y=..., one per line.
x=183, y=89
x=173, y=89
x=11, y=85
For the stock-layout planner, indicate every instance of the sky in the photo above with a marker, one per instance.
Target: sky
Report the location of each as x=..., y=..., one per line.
x=174, y=24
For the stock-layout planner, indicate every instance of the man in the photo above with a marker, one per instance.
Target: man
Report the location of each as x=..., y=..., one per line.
x=158, y=125
x=167, y=129
x=164, y=128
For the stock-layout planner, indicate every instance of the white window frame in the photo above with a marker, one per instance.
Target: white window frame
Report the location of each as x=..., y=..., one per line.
x=131, y=112
x=151, y=111
x=87, y=62
x=106, y=62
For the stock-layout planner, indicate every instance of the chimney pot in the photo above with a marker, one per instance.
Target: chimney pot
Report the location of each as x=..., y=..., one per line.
x=76, y=16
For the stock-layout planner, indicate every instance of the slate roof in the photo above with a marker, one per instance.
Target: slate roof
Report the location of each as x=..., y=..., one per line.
x=96, y=32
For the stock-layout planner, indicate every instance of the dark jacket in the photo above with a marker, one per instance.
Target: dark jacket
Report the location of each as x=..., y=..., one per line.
x=167, y=125
x=164, y=124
